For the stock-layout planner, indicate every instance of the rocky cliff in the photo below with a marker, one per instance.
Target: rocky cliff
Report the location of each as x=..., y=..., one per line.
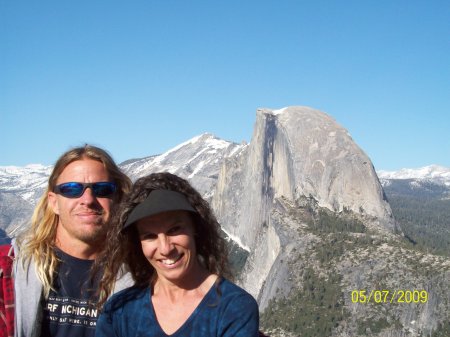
x=295, y=153
x=306, y=203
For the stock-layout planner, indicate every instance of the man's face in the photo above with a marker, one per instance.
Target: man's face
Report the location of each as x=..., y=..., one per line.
x=81, y=220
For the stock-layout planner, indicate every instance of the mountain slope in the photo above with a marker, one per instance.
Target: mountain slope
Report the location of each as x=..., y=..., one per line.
x=197, y=160
x=20, y=188
x=420, y=201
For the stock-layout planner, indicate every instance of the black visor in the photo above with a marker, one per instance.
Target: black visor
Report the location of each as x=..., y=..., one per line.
x=159, y=201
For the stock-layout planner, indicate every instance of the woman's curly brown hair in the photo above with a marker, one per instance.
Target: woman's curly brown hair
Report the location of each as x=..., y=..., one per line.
x=123, y=248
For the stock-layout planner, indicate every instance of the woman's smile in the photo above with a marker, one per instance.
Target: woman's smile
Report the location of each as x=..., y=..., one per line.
x=171, y=262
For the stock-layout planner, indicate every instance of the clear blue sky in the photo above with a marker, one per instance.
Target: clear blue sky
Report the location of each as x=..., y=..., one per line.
x=139, y=77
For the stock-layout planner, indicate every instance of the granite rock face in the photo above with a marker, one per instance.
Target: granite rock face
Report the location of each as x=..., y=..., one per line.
x=297, y=152
x=299, y=166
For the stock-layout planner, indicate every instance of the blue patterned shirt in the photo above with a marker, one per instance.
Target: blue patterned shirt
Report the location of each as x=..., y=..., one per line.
x=226, y=310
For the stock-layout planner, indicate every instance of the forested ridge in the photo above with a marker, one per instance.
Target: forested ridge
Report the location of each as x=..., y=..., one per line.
x=423, y=211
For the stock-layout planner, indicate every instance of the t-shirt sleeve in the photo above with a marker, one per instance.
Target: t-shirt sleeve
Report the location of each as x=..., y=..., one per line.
x=240, y=317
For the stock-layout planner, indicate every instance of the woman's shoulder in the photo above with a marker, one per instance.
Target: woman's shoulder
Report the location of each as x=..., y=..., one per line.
x=225, y=284
x=238, y=311
x=127, y=297
x=232, y=291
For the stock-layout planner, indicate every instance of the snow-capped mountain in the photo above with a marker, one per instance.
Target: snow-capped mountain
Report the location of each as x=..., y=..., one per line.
x=24, y=181
x=197, y=160
x=20, y=188
x=434, y=174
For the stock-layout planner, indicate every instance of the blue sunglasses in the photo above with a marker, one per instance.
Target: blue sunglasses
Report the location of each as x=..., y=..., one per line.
x=104, y=189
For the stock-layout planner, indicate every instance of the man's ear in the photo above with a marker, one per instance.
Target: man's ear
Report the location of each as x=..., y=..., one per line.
x=52, y=202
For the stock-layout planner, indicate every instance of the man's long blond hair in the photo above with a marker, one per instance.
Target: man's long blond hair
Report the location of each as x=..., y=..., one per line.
x=37, y=244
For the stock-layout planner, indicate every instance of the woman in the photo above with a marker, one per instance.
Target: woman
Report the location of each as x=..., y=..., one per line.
x=167, y=236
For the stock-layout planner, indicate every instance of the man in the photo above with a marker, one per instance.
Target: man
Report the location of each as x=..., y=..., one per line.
x=54, y=291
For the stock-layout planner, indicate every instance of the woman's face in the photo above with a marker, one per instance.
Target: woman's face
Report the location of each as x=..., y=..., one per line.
x=168, y=243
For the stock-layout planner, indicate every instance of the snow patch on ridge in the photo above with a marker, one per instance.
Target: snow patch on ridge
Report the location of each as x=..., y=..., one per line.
x=236, y=240
x=197, y=169
x=279, y=111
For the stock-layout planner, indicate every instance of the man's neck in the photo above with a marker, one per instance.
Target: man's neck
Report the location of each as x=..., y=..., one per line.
x=80, y=250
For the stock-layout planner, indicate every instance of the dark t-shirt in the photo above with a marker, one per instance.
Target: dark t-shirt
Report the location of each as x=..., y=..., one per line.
x=69, y=311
